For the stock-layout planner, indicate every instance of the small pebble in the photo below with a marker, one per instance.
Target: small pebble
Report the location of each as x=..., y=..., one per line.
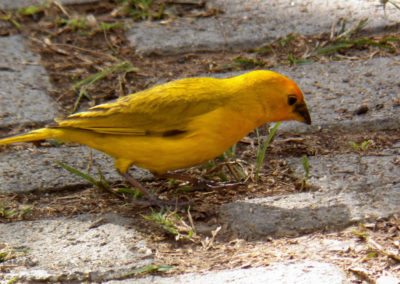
x=363, y=109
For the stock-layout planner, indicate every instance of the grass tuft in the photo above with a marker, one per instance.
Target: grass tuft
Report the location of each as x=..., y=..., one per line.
x=343, y=45
x=74, y=24
x=11, y=18
x=361, y=147
x=6, y=212
x=19, y=213
x=148, y=269
x=247, y=63
x=262, y=147
x=83, y=85
x=100, y=183
x=31, y=10
x=104, y=26
x=7, y=252
x=293, y=60
x=306, y=167
x=141, y=10
x=173, y=224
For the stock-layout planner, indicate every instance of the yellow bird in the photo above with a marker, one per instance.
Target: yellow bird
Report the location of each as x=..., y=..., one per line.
x=181, y=123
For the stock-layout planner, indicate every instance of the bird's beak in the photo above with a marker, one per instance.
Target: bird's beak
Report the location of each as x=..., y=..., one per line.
x=302, y=110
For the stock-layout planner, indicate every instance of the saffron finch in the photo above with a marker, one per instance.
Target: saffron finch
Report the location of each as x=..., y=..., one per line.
x=181, y=123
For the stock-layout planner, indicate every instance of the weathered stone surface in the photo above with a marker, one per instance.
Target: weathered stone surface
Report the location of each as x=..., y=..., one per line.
x=13, y=4
x=351, y=188
x=387, y=278
x=28, y=170
x=23, y=85
x=333, y=173
x=308, y=272
x=87, y=247
x=246, y=24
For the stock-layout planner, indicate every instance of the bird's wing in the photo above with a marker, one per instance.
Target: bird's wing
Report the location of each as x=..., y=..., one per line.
x=163, y=110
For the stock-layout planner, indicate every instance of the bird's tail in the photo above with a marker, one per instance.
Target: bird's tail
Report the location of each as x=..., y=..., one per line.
x=35, y=135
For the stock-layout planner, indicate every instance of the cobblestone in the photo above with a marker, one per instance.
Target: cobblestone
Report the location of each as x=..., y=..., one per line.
x=24, y=84
x=351, y=189
x=29, y=170
x=87, y=247
x=307, y=272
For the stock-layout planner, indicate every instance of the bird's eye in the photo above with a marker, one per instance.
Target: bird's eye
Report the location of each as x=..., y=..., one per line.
x=292, y=100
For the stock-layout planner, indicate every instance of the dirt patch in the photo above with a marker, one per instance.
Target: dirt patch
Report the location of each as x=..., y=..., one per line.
x=346, y=249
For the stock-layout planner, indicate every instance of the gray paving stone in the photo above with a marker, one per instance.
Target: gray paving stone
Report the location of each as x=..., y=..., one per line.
x=335, y=173
x=15, y=4
x=351, y=188
x=387, y=278
x=29, y=170
x=246, y=24
x=308, y=272
x=87, y=247
x=23, y=85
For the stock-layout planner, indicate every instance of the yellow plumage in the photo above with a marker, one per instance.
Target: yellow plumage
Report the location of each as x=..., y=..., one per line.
x=181, y=123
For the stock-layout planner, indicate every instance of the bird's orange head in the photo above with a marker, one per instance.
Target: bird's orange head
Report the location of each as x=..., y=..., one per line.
x=280, y=96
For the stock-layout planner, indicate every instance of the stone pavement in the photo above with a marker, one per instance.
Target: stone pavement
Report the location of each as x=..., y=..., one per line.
x=291, y=272
x=76, y=249
x=22, y=82
x=38, y=170
x=350, y=187
x=247, y=24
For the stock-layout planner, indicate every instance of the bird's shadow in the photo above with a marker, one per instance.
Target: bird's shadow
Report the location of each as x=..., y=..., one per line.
x=256, y=221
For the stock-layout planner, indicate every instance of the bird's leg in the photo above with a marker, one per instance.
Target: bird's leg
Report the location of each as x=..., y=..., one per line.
x=151, y=199
x=133, y=182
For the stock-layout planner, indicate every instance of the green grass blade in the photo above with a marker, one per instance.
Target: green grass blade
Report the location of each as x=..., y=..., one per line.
x=136, y=194
x=83, y=85
x=78, y=173
x=148, y=269
x=306, y=166
x=82, y=93
x=261, y=151
x=124, y=66
x=334, y=48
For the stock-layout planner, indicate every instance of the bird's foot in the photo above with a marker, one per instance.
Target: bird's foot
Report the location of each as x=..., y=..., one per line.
x=151, y=200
